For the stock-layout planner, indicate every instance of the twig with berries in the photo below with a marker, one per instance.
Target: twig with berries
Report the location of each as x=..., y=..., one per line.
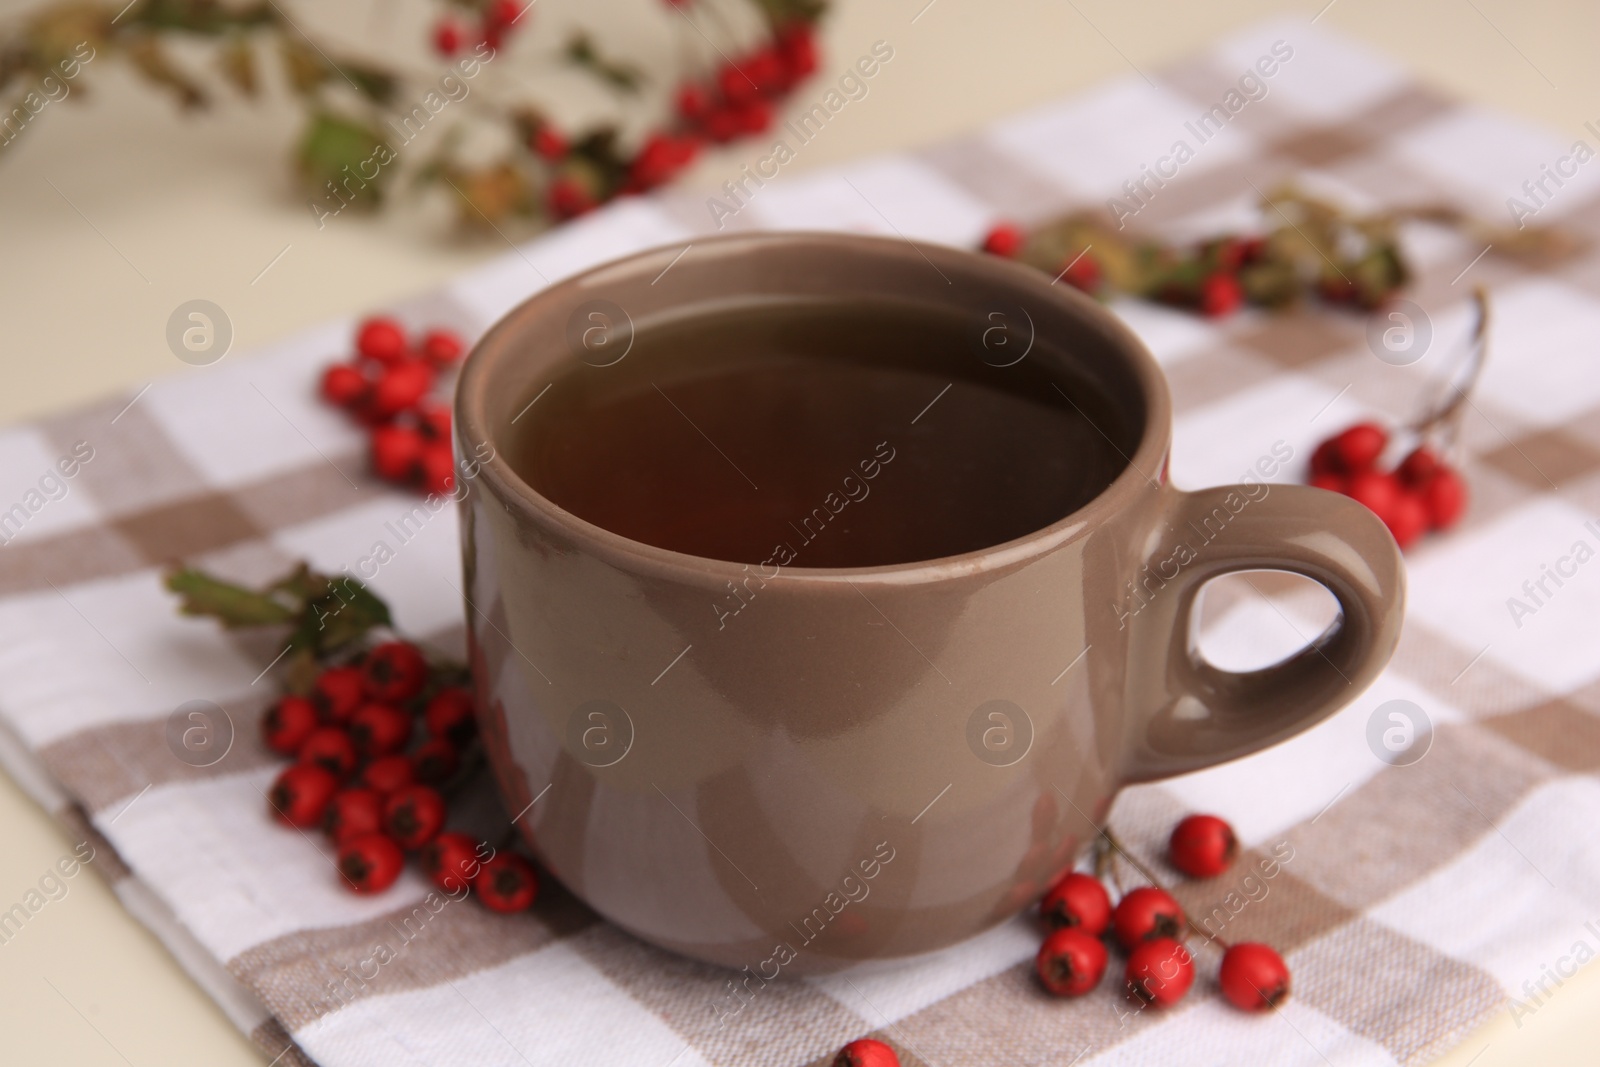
x=1306, y=248
x=1422, y=492
x=361, y=770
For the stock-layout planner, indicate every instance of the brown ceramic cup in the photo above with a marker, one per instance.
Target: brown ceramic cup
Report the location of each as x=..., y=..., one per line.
x=876, y=761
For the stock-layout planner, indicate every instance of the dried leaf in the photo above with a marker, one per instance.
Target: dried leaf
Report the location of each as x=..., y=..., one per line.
x=303, y=66
x=491, y=195
x=238, y=62
x=581, y=52
x=152, y=61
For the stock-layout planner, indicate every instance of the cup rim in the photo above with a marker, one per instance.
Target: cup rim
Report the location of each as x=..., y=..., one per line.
x=475, y=386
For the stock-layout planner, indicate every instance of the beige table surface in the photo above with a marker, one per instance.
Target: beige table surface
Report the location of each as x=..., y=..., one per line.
x=92, y=198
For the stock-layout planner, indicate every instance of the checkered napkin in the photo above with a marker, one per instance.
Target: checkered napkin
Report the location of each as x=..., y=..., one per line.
x=1412, y=900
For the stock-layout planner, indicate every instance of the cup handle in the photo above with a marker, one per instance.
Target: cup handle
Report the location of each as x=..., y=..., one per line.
x=1197, y=714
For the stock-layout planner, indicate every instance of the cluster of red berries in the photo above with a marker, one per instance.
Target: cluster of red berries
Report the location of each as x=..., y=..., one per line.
x=386, y=387
x=496, y=19
x=1204, y=278
x=738, y=100
x=358, y=776
x=1149, y=925
x=1421, y=493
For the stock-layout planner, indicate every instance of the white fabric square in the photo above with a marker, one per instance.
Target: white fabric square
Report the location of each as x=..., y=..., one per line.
x=1218, y=443
x=1329, y=77
x=891, y=197
x=1171, y=335
x=1095, y=142
x=36, y=498
x=1471, y=586
x=1213, y=1033
x=1541, y=363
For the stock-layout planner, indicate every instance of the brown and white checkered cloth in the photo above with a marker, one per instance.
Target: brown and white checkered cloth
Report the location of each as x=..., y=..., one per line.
x=1417, y=898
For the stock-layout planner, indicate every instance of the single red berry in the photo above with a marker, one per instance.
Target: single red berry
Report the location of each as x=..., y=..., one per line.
x=447, y=37
x=1334, y=483
x=387, y=774
x=548, y=143
x=1160, y=972
x=1078, y=900
x=413, y=816
x=1071, y=962
x=797, y=44
x=1227, y=254
x=381, y=339
x=1325, y=458
x=450, y=861
x=735, y=85
x=1003, y=240
x=352, y=813
x=338, y=692
x=1378, y=490
x=1220, y=294
x=694, y=103
x=1419, y=467
x=449, y=715
x=433, y=422
x=866, y=1052
x=396, y=451
x=1083, y=273
x=394, y=671
x=1253, y=977
x=767, y=69
x=1252, y=249
x=1407, y=519
x=435, y=761
x=370, y=863
x=506, y=883
x=569, y=199
x=301, y=794
x=1359, y=447
x=343, y=384
x=379, y=729
x=442, y=347
x=722, y=124
x=330, y=748
x=753, y=116
x=1202, y=846
x=1146, y=914
x=1445, y=498
x=503, y=13
x=399, y=387
x=288, y=723
x=438, y=466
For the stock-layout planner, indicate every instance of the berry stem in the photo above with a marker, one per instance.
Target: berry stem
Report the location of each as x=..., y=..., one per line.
x=1445, y=412
x=1149, y=876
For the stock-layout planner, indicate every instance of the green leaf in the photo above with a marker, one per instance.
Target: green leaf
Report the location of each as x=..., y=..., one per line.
x=232, y=605
x=333, y=143
x=339, y=617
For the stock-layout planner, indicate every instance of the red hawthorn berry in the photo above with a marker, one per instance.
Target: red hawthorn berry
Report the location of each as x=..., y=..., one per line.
x=1005, y=239
x=548, y=143
x=722, y=124
x=493, y=37
x=1445, y=498
x=693, y=102
x=506, y=883
x=1251, y=249
x=449, y=715
x=399, y=387
x=1160, y=972
x=450, y=861
x=1220, y=294
x=766, y=69
x=1378, y=490
x=1332, y=482
x=753, y=116
x=1359, y=447
x=1078, y=900
x=866, y=1053
x=735, y=84
x=387, y=774
x=338, y=692
x=1202, y=846
x=1071, y=962
x=1407, y=519
x=442, y=347
x=1083, y=273
x=435, y=761
x=330, y=748
x=343, y=384
x=433, y=422
x=379, y=729
x=353, y=812
x=301, y=793
x=569, y=199
x=1253, y=977
x=1146, y=914
x=381, y=338
x=1419, y=467
x=1227, y=254
x=797, y=44
x=502, y=13
x=438, y=468
x=1325, y=458
x=394, y=671
x=370, y=863
x=447, y=37
x=288, y=723
x=396, y=451
x=413, y=816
